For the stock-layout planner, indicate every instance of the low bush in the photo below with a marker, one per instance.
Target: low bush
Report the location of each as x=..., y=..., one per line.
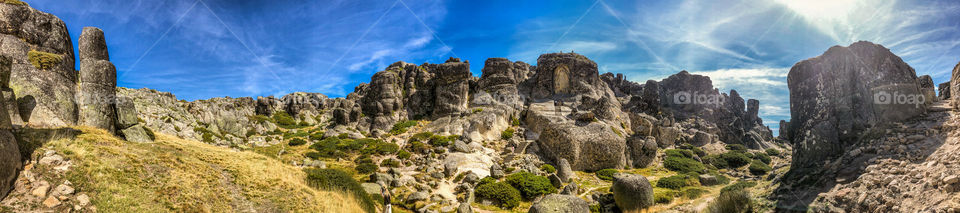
x=504, y=195
x=285, y=120
x=530, y=185
x=664, y=196
x=715, y=161
x=401, y=127
x=313, y=155
x=442, y=141
x=548, y=168
x=418, y=147
x=487, y=180
x=683, y=153
x=773, y=152
x=683, y=164
x=737, y=201
x=759, y=168
x=507, y=134
x=762, y=156
x=736, y=147
x=606, y=174
x=403, y=155
x=735, y=159
x=297, y=142
x=337, y=180
x=367, y=168
x=389, y=163
x=678, y=181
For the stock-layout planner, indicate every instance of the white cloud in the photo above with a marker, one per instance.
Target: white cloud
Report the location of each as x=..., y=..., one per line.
x=587, y=47
x=761, y=76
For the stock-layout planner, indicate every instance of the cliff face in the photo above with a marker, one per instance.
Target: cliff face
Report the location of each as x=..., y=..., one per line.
x=837, y=96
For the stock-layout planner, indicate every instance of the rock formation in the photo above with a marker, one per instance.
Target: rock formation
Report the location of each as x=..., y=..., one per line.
x=10, y=159
x=96, y=93
x=837, y=96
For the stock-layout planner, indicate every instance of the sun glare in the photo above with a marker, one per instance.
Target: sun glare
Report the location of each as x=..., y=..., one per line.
x=821, y=10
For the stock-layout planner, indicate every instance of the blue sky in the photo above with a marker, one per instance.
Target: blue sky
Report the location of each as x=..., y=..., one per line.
x=199, y=49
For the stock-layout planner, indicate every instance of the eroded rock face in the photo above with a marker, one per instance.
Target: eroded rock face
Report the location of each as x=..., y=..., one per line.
x=452, y=88
x=953, y=88
x=632, y=192
x=592, y=147
x=10, y=162
x=944, y=89
x=96, y=93
x=45, y=96
x=836, y=96
x=927, y=88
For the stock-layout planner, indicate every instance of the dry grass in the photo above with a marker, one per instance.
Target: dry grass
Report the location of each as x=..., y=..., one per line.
x=42, y=60
x=175, y=175
x=14, y=2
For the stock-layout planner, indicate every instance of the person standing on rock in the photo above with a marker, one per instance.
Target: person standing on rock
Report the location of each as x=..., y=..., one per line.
x=387, y=206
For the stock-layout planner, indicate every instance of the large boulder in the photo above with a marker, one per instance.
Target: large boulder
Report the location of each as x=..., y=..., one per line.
x=383, y=97
x=927, y=88
x=500, y=78
x=43, y=76
x=96, y=94
x=452, y=88
x=836, y=96
x=564, y=171
x=591, y=147
x=632, y=192
x=557, y=203
x=10, y=161
x=643, y=150
x=944, y=89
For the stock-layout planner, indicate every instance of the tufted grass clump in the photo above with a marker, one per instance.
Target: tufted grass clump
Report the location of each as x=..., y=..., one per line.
x=694, y=193
x=501, y=193
x=607, y=174
x=663, y=196
x=772, y=152
x=732, y=202
x=297, y=142
x=682, y=161
x=365, y=165
x=739, y=185
x=334, y=179
x=548, y=168
x=736, y=147
x=530, y=185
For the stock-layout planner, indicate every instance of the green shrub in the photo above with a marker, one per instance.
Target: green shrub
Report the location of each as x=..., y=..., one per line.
x=43, y=60
x=507, y=134
x=762, y=156
x=664, y=197
x=721, y=179
x=337, y=180
x=207, y=137
x=735, y=159
x=699, y=152
x=374, y=146
x=487, y=180
x=606, y=174
x=401, y=127
x=509, y=169
x=716, y=161
x=390, y=163
x=759, y=168
x=683, y=153
x=403, y=155
x=442, y=141
x=285, y=120
x=739, y=185
x=694, y=193
x=683, y=165
x=548, y=168
x=297, y=142
x=316, y=136
x=343, y=136
x=678, y=181
x=504, y=195
x=514, y=121
x=367, y=168
x=313, y=155
x=773, y=152
x=737, y=201
x=418, y=147
x=530, y=185
x=736, y=147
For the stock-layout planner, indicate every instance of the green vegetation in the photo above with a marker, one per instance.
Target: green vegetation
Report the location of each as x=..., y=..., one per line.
x=530, y=185
x=340, y=148
x=401, y=127
x=477, y=110
x=548, y=168
x=390, y=163
x=313, y=155
x=663, y=196
x=732, y=202
x=736, y=147
x=682, y=161
x=504, y=195
x=403, y=155
x=678, y=181
x=759, y=168
x=514, y=121
x=762, y=156
x=694, y=193
x=606, y=174
x=42, y=60
x=285, y=120
x=365, y=165
x=773, y=152
x=507, y=134
x=333, y=179
x=297, y=142
x=739, y=185
x=734, y=159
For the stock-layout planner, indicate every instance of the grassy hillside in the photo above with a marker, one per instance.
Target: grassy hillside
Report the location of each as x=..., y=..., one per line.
x=179, y=175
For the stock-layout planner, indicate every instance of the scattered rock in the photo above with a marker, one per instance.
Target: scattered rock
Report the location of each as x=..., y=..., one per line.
x=557, y=203
x=564, y=172
x=632, y=192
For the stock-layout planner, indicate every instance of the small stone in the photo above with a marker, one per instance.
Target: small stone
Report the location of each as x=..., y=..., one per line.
x=51, y=160
x=83, y=200
x=63, y=189
x=51, y=202
x=951, y=179
x=41, y=190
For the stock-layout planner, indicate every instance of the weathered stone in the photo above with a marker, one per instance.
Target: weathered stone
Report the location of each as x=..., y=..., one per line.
x=136, y=133
x=127, y=114
x=92, y=44
x=496, y=171
x=708, y=180
x=10, y=161
x=944, y=89
x=835, y=96
x=592, y=147
x=632, y=192
x=643, y=150
x=564, y=171
x=927, y=88
x=96, y=105
x=555, y=181
x=373, y=189
x=557, y=203
x=571, y=189
x=452, y=88
x=464, y=208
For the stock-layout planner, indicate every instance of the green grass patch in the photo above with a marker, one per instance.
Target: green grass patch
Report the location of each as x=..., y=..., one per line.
x=530, y=185
x=42, y=60
x=401, y=127
x=606, y=174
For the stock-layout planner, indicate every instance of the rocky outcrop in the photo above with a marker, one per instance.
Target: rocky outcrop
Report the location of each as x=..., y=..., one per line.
x=43, y=76
x=96, y=93
x=632, y=192
x=944, y=89
x=557, y=203
x=954, y=88
x=927, y=88
x=10, y=159
x=452, y=87
x=643, y=150
x=837, y=96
